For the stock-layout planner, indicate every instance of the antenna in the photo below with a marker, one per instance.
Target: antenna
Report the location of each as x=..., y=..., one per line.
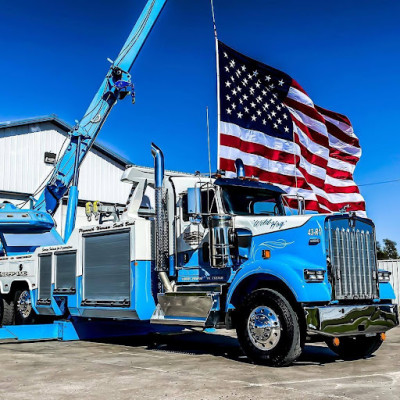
x=217, y=69
x=208, y=140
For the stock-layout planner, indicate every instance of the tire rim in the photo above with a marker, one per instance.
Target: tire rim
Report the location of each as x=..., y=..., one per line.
x=24, y=304
x=264, y=328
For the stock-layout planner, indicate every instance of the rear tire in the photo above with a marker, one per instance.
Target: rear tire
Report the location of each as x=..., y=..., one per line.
x=353, y=348
x=268, y=329
x=23, y=307
x=7, y=315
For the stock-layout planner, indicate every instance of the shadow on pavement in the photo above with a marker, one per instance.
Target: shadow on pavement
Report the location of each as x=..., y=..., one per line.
x=200, y=343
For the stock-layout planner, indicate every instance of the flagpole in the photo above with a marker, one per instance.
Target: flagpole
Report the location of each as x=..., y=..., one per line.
x=217, y=68
x=208, y=143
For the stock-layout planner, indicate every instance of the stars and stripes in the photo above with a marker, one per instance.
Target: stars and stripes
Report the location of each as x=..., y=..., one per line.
x=269, y=121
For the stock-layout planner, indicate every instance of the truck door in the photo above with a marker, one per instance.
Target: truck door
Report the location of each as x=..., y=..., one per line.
x=192, y=235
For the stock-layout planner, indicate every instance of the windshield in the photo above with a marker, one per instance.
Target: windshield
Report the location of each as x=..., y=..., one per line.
x=251, y=201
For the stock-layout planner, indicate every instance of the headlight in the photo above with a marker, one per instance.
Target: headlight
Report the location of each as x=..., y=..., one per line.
x=314, y=275
x=384, y=276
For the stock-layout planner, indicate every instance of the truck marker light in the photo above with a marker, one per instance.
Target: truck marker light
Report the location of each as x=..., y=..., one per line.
x=266, y=254
x=383, y=336
x=336, y=341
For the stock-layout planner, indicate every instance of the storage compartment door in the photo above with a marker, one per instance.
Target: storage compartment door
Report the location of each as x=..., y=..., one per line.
x=106, y=269
x=44, y=279
x=65, y=272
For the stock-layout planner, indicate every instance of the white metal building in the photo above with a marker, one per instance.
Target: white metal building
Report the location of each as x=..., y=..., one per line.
x=392, y=266
x=27, y=148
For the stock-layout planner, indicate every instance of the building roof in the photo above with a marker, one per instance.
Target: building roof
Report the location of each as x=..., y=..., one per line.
x=53, y=118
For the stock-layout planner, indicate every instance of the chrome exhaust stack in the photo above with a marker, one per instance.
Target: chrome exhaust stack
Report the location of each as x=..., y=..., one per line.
x=161, y=221
x=240, y=171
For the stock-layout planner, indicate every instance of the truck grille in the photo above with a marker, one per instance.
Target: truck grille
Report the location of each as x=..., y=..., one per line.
x=353, y=260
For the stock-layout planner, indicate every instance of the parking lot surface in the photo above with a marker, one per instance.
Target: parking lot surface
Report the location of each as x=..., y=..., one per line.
x=190, y=366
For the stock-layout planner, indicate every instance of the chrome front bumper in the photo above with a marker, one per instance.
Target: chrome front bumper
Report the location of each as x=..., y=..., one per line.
x=351, y=320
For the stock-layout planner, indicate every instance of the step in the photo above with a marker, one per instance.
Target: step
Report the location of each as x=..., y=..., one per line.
x=185, y=308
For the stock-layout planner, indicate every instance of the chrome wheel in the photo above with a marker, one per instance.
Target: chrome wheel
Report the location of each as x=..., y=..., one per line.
x=24, y=304
x=264, y=328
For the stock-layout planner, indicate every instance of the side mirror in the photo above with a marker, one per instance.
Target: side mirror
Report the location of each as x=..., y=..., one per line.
x=301, y=202
x=194, y=201
x=301, y=205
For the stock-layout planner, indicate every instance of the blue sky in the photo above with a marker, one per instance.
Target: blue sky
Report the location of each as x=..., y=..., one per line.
x=344, y=53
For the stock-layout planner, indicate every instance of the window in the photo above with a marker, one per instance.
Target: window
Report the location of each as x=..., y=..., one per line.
x=251, y=201
x=265, y=207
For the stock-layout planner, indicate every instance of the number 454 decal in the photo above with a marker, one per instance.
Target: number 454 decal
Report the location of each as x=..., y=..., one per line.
x=314, y=232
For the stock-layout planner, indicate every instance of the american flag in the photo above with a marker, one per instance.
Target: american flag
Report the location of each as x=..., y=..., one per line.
x=282, y=137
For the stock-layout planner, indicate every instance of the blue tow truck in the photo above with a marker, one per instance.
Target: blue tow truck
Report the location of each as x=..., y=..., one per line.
x=190, y=250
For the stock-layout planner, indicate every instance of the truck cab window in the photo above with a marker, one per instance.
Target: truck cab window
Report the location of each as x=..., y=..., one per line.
x=251, y=201
x=265, y=207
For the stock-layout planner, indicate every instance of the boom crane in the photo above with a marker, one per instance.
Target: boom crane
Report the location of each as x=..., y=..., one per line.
x=116, y=86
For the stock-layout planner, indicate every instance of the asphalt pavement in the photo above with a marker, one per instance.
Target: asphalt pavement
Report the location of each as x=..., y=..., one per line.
x=190, y=366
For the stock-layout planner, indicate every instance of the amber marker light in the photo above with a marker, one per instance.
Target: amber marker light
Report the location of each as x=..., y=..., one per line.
x=266, y=254
x=336, y=341
x=383, y=336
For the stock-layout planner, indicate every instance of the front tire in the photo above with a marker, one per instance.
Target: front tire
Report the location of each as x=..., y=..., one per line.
x=23, y=307
x=268, y=329
x=353, y=348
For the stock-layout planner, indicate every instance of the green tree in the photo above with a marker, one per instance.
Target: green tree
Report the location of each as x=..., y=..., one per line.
x=380, y=253
x=389, y=250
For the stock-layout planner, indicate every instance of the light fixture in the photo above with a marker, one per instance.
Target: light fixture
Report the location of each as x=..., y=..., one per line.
x=50, y=158
x=314, y=275
x=266, y=254
x=384, y=276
